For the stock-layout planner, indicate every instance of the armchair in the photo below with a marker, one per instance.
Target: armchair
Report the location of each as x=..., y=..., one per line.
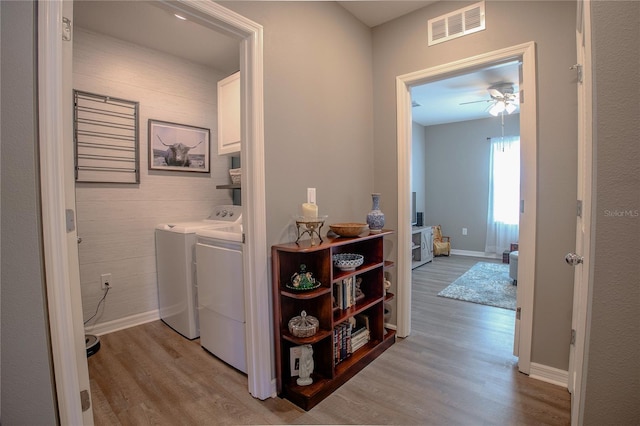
x=441, y=243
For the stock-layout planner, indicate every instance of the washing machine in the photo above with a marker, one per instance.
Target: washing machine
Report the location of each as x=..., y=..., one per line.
x=176, y=268
x=221, y=294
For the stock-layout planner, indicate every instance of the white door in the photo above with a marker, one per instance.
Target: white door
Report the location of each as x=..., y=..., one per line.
x=580, y=258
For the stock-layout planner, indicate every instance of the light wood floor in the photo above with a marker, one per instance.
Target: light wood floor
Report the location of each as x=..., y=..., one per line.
x=456, y=368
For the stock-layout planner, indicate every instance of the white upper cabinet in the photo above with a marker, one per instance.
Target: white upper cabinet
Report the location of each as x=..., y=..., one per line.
x=229, y=115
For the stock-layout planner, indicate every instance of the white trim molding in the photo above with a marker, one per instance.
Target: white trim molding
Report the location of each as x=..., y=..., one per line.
x=123, y=323
x=548, y=374
x=63, y=326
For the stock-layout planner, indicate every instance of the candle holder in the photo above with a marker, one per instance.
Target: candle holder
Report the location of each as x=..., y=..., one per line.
x=310, y=226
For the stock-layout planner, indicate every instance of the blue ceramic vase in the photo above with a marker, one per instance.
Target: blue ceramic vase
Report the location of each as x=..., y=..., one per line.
x=375, y=218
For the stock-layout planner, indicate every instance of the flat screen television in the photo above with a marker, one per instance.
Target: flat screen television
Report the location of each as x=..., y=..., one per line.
x=414, y=216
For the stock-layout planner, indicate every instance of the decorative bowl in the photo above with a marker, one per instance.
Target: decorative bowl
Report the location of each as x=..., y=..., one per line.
x=347, y=261
x=349, y=229
x=303, y=325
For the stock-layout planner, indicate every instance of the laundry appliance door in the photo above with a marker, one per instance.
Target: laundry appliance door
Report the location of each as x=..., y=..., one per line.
x=221, y=300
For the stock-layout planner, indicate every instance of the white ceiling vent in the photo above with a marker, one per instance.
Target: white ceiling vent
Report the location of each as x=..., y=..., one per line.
x=457, y=24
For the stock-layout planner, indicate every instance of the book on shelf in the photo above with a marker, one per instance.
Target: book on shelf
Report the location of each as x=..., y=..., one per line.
x=346, y=293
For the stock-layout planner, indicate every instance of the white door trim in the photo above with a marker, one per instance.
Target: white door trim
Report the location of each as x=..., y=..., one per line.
x=583, y=274
x=67, y=332
x=529, y=139
x=60, y=295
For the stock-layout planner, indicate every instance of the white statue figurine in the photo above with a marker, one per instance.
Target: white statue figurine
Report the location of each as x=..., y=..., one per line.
x=306, y=366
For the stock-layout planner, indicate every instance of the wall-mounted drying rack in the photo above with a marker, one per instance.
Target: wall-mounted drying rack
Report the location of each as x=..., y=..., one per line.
x=105, y=139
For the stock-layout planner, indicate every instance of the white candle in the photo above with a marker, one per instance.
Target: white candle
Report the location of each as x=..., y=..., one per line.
x=310, y=208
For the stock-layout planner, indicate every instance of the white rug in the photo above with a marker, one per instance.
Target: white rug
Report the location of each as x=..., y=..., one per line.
x=485, y=283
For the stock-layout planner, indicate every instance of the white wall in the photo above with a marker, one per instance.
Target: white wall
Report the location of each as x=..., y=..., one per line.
x=116, y=221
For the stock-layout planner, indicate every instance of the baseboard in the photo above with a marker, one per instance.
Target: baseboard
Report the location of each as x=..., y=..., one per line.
x=122, y=323
x=475, y=254
x=549, y=374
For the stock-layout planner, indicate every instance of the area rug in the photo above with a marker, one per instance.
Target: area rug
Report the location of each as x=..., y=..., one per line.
x=485, y=283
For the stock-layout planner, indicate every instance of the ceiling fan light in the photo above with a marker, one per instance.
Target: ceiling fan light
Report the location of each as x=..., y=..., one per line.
x=510, y=108
x=497, y=108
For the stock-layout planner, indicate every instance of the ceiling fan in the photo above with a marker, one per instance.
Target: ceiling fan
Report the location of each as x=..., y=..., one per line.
x=502, y=97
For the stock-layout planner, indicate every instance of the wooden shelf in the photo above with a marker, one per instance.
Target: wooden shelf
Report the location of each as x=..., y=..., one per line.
x=328, y=375
x=229, y=186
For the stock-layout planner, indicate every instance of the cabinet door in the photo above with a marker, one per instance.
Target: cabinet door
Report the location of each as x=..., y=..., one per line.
x=229, y=115
x=428, y=233
x=424, y=245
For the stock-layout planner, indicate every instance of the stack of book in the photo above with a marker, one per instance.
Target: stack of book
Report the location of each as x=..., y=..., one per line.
x=342, y=341
x=359, y=338
x=350, y=336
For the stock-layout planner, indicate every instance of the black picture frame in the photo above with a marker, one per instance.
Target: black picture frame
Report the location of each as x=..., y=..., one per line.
x=179, y=147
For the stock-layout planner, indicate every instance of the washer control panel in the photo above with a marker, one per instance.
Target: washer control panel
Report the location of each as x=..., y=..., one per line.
x=227, y=213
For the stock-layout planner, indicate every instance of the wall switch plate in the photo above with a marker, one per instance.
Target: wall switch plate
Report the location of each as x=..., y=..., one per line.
x=464, y=231
x=105, y=281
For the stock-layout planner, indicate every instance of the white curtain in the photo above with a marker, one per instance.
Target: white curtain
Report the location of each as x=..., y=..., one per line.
x=504, y=194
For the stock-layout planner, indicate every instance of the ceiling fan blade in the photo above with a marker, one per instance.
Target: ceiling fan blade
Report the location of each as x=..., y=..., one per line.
x=475, y=102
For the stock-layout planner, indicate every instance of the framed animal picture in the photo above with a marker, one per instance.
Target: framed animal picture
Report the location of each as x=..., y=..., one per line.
x=178, y=147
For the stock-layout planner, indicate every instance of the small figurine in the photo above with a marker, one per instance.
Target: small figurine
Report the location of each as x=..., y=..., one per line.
x=387, y=286
x=306, y=366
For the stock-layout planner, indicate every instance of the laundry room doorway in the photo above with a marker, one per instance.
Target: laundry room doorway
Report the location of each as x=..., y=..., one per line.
x=64, y=298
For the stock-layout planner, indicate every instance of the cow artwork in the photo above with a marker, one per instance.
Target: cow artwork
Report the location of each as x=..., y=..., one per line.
x=177, y=154
x=178, y=147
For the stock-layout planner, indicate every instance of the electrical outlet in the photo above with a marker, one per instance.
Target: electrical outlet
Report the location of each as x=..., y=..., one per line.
x=105, y=281
x=464, y=231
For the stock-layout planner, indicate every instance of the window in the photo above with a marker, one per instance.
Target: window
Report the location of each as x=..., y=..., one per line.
x=504, y=194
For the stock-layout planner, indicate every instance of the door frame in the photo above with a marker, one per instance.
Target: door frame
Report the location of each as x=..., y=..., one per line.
x=526, y=53
x=583, y=273
x=62, y=295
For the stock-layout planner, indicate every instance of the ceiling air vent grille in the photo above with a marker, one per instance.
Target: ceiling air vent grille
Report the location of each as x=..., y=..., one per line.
x=456, y=24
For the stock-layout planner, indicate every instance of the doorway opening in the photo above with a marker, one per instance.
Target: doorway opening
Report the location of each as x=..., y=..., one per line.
x=465, y=174
x=524, y=54
x=57, y=189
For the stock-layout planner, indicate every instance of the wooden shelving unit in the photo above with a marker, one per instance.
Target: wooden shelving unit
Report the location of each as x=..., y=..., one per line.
x=328, y=374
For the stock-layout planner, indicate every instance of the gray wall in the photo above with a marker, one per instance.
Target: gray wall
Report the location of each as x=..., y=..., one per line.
x=612, y=379
x=27, y=386
x=318, y=112
x=400, y=47
x=456, y=163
